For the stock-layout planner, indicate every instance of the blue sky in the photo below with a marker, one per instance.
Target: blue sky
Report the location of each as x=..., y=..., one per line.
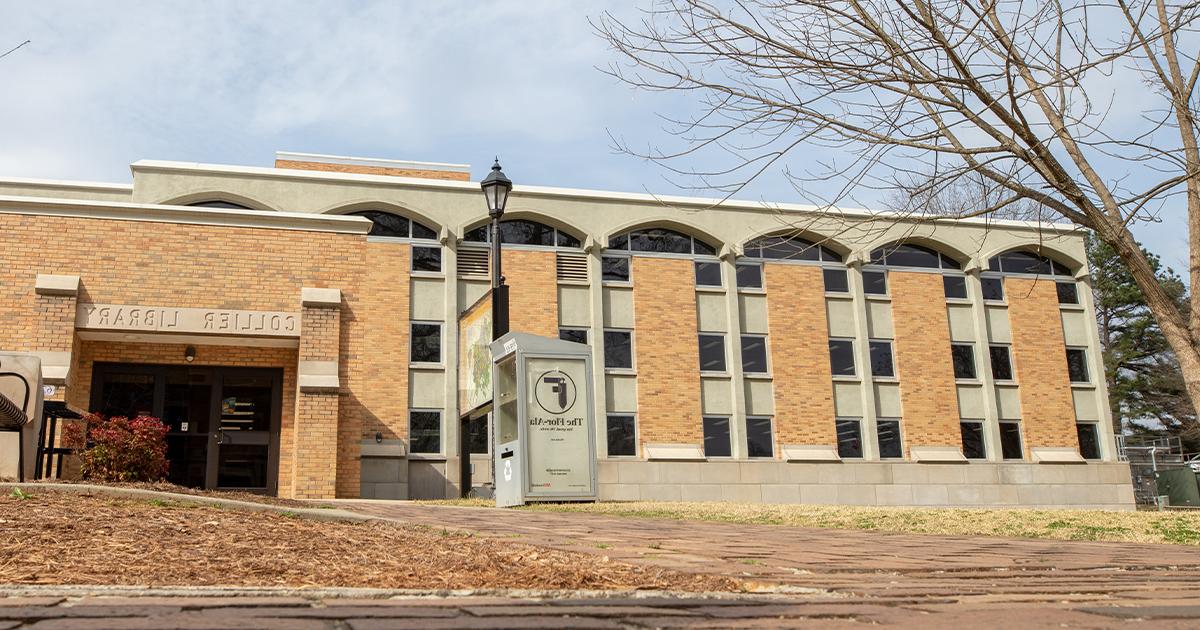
x=105, y=84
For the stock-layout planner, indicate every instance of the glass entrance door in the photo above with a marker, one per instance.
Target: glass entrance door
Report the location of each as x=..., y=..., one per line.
x=247, y=410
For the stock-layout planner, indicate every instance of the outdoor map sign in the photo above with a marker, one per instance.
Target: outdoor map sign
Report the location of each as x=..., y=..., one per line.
x=475, y=355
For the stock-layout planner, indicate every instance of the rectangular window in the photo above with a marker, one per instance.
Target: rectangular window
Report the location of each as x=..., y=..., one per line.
x=1010, y=440
x=836, y=281
x=749, y=276
x=574, y=335
x=955, y=287
x=618, y=349
x=477, y=435
x=426, y=343
x=708, y=274
x=622, y=436
x=1077, y=365
x=614, y=268
x=972, y=439
x=1068, y=292
x=889, y=439
x=712, y=353
x=881, y=359
x=1089, y=440
x=841, y=357
x=425, y=432
x=849, y=437
x=758, y=438
x=426, y=259
x=963, y=355
x=874, y=283
x=993, y=288
x=754, y=354
x=716, y=437
x=1001, y=363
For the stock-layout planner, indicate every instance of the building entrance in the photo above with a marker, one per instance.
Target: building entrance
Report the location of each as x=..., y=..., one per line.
x=224, y=422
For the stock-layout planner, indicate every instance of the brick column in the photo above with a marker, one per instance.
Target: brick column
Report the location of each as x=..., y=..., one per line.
x=54, y=332
x=315, y=430
x=532, y=279
x=1040, y=357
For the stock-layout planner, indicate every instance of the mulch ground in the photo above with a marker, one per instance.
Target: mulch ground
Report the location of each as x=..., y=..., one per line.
x=50, y=537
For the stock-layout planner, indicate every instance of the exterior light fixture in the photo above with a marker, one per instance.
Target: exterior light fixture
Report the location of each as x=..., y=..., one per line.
x=189, y=355
x=379, y=437
x=495, y=191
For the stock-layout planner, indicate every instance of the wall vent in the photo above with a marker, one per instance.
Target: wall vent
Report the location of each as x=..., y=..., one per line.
x=473, y=262
x=572, y=268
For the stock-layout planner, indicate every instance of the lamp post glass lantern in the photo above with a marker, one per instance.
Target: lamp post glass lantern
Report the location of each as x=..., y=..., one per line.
x=495, y=191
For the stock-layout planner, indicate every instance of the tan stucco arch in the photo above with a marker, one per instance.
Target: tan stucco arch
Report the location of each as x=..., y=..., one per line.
x=383, y=206
x=528, y=215
x=669, y=223
x=939, y=245
x=218, y=195
x=1041, y=249
x=808, y=235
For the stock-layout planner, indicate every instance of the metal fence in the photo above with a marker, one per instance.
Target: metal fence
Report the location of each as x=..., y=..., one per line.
x=1148, y=455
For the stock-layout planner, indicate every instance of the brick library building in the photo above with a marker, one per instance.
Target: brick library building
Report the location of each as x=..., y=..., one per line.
x=295, y=326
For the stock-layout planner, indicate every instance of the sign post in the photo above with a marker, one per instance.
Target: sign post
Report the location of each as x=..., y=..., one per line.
x=543, y=446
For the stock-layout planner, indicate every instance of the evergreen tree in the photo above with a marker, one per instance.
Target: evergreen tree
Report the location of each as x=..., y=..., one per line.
x=1145, y=386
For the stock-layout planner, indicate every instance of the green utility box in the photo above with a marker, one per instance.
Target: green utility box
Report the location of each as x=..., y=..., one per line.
x=1180, y=487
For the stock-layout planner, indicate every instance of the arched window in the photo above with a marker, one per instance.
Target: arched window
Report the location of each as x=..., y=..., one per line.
x=909, y=255
x=660, y=241
x=219, y=203
x=783, y=247
x=396, y=226
x=1021, y=261
x=524, y=232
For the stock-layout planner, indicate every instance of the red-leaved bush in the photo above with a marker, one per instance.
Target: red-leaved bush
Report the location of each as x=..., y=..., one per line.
x=120, y=449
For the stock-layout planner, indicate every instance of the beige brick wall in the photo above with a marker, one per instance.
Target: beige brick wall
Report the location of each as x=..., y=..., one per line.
x=532, y=278
x=666, y=351
x=374, y=170
x=799, y=345
x=316, y=435
x=928, y=395
x=1039, y=358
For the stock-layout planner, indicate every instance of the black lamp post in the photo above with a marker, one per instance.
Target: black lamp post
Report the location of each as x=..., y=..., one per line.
x=495, y=191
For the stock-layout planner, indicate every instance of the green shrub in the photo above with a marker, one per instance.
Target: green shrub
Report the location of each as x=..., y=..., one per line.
x=120, y=449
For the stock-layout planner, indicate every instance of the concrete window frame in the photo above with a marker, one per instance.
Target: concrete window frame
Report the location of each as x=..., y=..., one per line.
x=713, y=420
x=857, y=421
x=632, y=368
x=441, y=336
x=608, y=416
x=770, y=422
x=441, y=421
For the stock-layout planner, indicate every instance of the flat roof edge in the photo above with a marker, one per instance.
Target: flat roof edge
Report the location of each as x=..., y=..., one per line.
x=366, y=161
x=228, y=217
x=65, y=183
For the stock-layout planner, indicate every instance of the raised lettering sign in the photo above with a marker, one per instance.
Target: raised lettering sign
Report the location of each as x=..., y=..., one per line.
x=136, y=318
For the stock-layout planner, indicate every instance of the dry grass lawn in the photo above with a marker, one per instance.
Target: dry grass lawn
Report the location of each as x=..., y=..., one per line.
x=1181, y=528
x=50, y=537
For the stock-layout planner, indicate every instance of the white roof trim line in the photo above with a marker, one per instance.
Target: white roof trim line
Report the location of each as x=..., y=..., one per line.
x=121, y=211
x=65, y=183
x=363, y=161
x=576, y=193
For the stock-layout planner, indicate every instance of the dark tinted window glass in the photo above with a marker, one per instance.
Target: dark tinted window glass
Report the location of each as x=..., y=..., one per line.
x=426, y=343
x=620, y=241
x=972, y=440
x=849, y=437
x=423, y=231
x=708, y=274
x=478, y=235
x=758, y=438
x=425, y=431
x=1001, y=364
x=716, y=437
x=875, y=283
x=881, y=359
x=712, y=353
x=754, y=355
x=908, y=256
x=621, y=436
x=575, y=335
x=477, y=429
x=385, y=223
x=660, y=240
x=889, y=438
x=955, y=286
x=219, y=204
x=841, y=357
x=1077, y=365
x=749, y=276
x=1060, y=270
x=566, y=240
x=1089, y=440
x=618, y=349
x=993, y=288
x=521, y=232
x=615, y=268
x=964, y=360
x=785, y=248
x=1024, y=262
x=427, y=259
x=1010, y=440
x=1068, y=293
x=703, y=248
x=835, y=281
